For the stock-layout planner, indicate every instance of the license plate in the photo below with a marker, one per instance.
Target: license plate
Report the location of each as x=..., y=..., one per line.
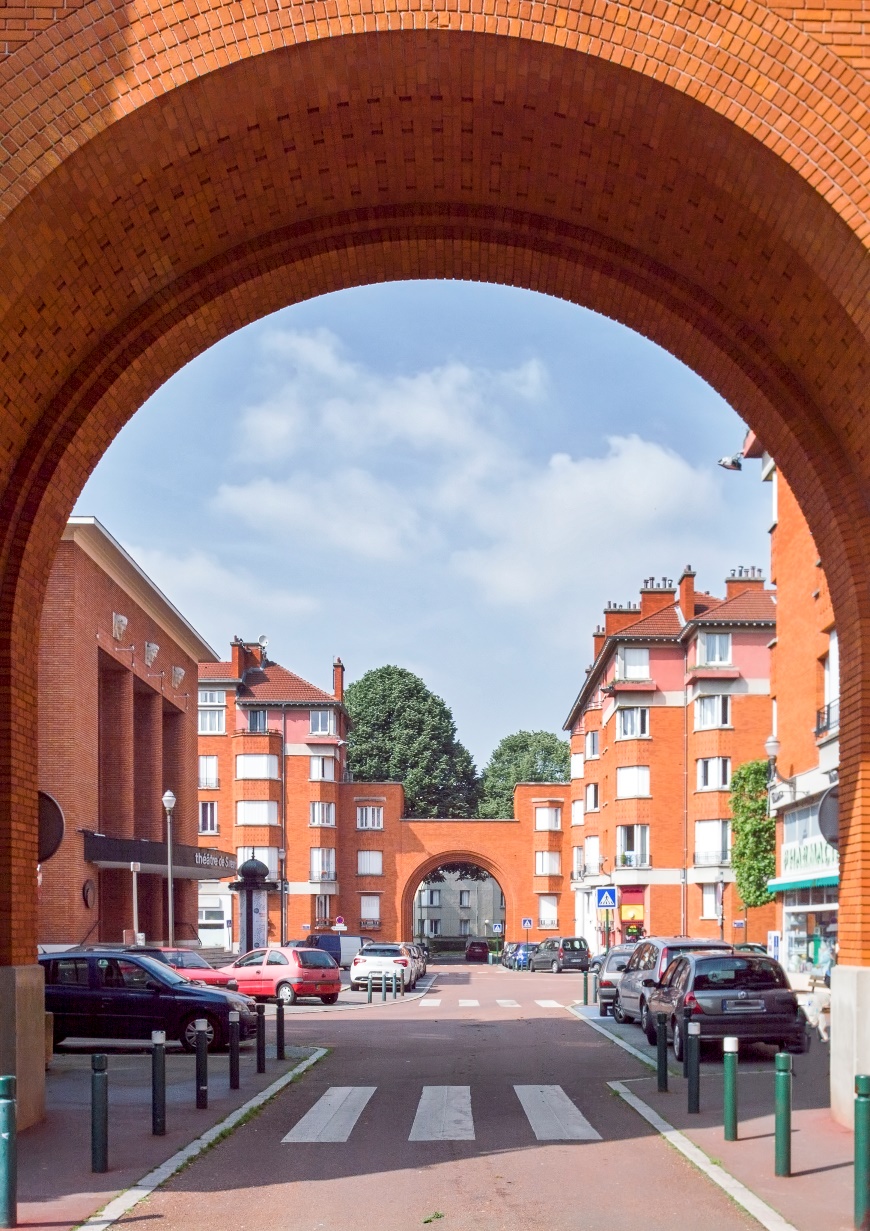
x=743, y=1006
x=324, y=987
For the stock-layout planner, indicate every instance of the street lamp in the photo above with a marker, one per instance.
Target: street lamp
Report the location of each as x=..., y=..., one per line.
x=720, y=895
x=169, y=804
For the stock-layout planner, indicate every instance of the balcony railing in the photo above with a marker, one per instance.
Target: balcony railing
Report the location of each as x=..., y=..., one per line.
x=550, y=924
x=828, y=718
x=209, y=784
x=633, y=859
x=370, y=925
x=708, y=859
x=323, y=874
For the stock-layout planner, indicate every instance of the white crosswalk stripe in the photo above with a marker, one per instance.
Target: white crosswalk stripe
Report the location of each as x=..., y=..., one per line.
x=553, y=1116
x=443, y=1114
x=549, y=1004
x=429, y=1002
x=333, y=1116
x=469, y=1004
x=508, y=1004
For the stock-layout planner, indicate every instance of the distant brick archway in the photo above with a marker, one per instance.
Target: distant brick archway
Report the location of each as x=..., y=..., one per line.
x=507, y=871
x=698, y=171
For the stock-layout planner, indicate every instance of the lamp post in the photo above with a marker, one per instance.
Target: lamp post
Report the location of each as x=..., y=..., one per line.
x=169, y=804
x=720, y=899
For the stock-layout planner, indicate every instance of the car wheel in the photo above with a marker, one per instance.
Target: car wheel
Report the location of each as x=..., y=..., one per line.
x=213, y=1032
x=650, y=1030
x=285, y=993
x=330, y=999
x=555, y=968
x=645, y=1018
x=678, y=1042
x=619, y=1013
x=356, y=987
x=602, y=1008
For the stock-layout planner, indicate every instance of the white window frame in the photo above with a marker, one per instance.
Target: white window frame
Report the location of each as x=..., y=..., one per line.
x=831, y=663
x=632, y=662
x=634, y=716
x=433, y=927
x=592, y=797
x=577, y=865
x=321, y=814
x=464, y=927
x=370, y=908
x=713, y=773
x=709, y=892
x=321, y=863
x=256, y=812
x=711, y=646
x=321, y=769
x=212, y=697
x=578, y=812
x=632, y=782
x=208, y=773
x=632, y=846
x=208, y=807
x=715, y=706
x=211, y=721
x=375, y=858
x=592, y=855
x=548, y=863
x=591, y=744
x=548, y=817
x=258, y=726
x=257, y=766
x=321, y=722
x=577, y=763
x=550, y=918
x=464, y=899
x=712, y=838
x=430, y=897
x=369, y=816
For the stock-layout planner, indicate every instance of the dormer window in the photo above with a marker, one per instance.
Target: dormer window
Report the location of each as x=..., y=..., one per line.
x=632, y=663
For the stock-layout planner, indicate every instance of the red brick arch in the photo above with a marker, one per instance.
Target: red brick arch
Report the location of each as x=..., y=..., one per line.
x=510, y=879
x=698, y=171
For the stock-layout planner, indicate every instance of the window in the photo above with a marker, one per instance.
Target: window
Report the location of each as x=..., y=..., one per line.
x=369, y=817
x=592, y=854
x=577, y=862
x=321, y=769
x=712, y=712
x=464, y=897
x=208, y=773
x=212, y=722
x=592, y=797
x=714, y=773
x=212, y=696
x=430, y=897
x=208, y=822
x=321, y=906
x=266, y=854
x=712, y=843
x=576, y=764
x=832, y=668
x=577, y=812
x=320, y=813
x=709, y=902
x=433, y=927
x=322, y=722
x=370, y=863
x=257, y=722
x=255, y=765
x=548, y=863
x=322, y=863
x=715, y=649
x=632, y=846
x=591, y=744
x=632, y=722
x=548, y=817
x=257, y=812
x=548, y=910
x=69, y=972
x=464, y=927
x=632, y=781
x=370, y=909
x=632, y=663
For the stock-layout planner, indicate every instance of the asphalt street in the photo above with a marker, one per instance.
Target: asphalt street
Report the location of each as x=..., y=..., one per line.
x=482, y=1106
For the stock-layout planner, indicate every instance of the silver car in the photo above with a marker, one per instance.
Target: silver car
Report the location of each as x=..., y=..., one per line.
x=650, y=959
x=611, y=970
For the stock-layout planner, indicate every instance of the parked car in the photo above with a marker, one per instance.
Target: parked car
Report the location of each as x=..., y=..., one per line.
x=614, y=962
x=341, y=946
x=506, y=953
x=739, y=994
x=649, y=960
x=288, y=973
x=596, y=962
x=418, y=956
x=559, y=953
x=381, y=961
x=477, y=951
x=190, y=963
x=108, y=994
x=522, y=955
x=751, y=946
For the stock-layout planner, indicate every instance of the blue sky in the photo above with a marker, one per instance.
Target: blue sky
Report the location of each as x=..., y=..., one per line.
x=449, y=476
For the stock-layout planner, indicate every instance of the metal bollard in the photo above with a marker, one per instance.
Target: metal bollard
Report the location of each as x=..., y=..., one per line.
x=261, y=1038
x=729, y=1092
x=158, y=1083
x=394, y=985
x=402, y=986
x=782, y=1098
x=234, y=1049
x=662, y=1052
x=369, y=991
x=99, y=1113
x=862, y=1152
x=8, y=1153
x=595, y=982
x=201, y=1064
x=585, y=987
x=693, y=1048
x=687, y=1017
x=280, y=1046
x=383, y=986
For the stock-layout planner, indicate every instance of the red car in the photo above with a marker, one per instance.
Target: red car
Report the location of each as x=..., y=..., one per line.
x=189, y=963
x=287, y=973
x=477, y=951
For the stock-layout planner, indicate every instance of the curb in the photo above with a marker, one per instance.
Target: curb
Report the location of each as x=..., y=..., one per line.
x=345, y=1008
x=122, y=1204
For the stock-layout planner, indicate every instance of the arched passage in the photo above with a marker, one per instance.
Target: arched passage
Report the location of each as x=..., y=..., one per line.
x=508, y=873
x=699, y=173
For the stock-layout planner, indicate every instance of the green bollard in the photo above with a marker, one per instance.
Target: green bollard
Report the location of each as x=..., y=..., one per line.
x=687, y=1017
x=782, y=1097
x=862, y=1152
x=99, y=1113
x=261, y=1038
x=8, y=1153
x=158, y=1083
x=585, y=987
x=662, y=1052
x=693, y=1050
x=729, y=1090
x=369, y=995
x=280, y=1042
x=234, y=1049
x=201, y=1064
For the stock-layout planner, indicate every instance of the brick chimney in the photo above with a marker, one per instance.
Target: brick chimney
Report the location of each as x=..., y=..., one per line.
x=617, y=617
x=598, y=639
x=742, y=579
x=656, y=595
x=687, y=593
x=338, y=679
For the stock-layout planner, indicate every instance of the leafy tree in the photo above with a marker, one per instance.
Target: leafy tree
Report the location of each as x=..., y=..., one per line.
x=402, y=732
x=753, y=834
x=526, y=756
x=465, y=871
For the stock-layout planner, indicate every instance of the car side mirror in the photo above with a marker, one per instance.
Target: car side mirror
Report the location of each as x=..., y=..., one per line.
x=153, y=986
x=648, y=983
x=620, y=966
x=233, y=985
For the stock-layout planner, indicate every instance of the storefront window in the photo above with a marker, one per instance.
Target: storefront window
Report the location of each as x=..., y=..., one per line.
x=810, y=929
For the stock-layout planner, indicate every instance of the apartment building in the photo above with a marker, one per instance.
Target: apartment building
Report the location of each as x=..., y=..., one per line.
x=459, y=907
x=804, y=745
x=678, y=695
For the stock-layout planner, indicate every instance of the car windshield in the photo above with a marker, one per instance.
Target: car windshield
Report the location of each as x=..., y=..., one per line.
x=382, y=951
x=732, y=973
x=164, y=973
x=192, y=961
x=617, y=961
x=574, y=942
x=314, y=957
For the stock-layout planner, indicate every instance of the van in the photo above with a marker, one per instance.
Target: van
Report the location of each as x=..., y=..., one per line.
x=339, y=945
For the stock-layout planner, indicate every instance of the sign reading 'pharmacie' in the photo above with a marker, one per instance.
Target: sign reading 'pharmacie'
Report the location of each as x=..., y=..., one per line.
x=813, y=855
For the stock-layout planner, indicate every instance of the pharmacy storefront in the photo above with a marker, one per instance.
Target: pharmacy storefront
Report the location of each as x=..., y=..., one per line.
x=807, y=889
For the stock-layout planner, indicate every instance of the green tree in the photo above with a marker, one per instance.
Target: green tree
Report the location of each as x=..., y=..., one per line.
x=525, y=756
x=402, y=732
x=466, y=871
x=753, y=834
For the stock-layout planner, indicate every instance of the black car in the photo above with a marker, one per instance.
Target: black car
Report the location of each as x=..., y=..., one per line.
x=561, y=953
x=116, y=994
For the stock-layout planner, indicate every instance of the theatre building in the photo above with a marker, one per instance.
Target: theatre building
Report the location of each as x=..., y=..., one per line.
x=118, y=669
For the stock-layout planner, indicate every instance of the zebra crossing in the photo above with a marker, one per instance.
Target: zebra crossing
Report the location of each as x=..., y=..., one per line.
x=435, y=1002
x=444, y=1113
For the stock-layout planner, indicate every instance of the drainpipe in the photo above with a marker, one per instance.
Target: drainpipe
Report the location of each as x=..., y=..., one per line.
x=684, y=888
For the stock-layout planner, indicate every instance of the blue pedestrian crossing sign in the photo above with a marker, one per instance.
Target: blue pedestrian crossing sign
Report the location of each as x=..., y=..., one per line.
x=527, y=923
x=496, y=928
x=605, y=898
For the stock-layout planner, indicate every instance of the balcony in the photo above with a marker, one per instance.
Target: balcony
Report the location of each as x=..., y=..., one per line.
x=713, y=859
x=633, y=859
x=327, y=874
x=550, y=925
x=209, y=784
x=828, y=719
x=369, y=925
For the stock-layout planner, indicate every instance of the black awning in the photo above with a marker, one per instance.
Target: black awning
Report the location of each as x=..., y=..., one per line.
x=188, y=862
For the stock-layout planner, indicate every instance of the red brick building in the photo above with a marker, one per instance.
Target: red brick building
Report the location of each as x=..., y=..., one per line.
x=677, y=697
x=117, y=686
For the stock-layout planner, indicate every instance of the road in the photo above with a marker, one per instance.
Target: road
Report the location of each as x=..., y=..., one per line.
x=481, y=1107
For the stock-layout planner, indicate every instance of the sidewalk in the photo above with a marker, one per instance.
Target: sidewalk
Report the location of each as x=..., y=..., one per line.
x=56, y=1188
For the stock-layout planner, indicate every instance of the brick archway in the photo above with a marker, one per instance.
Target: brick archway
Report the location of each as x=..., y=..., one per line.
x=509, y=878
x=698, y=172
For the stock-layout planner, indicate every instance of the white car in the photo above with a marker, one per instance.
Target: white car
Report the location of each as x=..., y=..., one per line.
x=380, y=961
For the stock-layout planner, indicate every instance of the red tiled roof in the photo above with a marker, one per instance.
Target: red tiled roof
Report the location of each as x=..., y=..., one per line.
x=664, y=623
x=752, y=606
x=216, y=671
x=269, y=683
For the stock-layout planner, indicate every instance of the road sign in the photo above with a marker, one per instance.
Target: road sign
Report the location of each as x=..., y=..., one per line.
x=527, y=923
x=339, y=920
x=496, y=929
x=306, y=927
x=339, y=927
x=605, y=898
x=739, y=923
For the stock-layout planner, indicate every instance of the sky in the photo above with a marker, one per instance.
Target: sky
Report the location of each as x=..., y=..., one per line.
x=452, y=477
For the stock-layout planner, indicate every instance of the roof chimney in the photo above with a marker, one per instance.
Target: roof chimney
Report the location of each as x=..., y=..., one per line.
x=598, y=640
x=617, y=617
x=655, y=595
x=687, y=593
x=338, y=679
x=745, y=577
